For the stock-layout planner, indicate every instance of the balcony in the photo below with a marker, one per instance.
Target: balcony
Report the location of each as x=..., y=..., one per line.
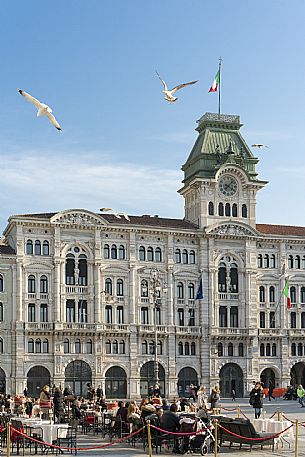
x=188, y=330
x=270, y=331
x=296, y=332
x=150, y=328
x=116, y=328
x=78, y=326
x=228, y=297
x=234, y=331
x=42, y=326
x=76, y=290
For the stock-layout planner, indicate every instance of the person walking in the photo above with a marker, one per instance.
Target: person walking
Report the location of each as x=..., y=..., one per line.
x=215, y=397
x=233, y=394
x=270, y=390
x=256, y=399
x=300, y=395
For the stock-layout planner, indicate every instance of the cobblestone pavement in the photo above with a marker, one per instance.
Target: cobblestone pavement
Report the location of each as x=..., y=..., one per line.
x=291, y=409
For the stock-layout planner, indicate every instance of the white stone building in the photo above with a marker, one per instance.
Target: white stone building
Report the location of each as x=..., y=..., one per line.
x=75, y=290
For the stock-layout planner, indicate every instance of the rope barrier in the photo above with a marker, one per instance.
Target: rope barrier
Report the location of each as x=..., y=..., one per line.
x=119, y=440
x=274, y=415
x=263, y=438
x=246, y=417
x=180, y=433
x=229, y=409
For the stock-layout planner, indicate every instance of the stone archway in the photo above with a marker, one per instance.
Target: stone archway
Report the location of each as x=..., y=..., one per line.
x=37, y=377
x=231, y=377
x=77, y=375
x=186, y=377
x=2, y=382
x=297, y=374
x=268, y=378
x=116, y=383
x=147, y=378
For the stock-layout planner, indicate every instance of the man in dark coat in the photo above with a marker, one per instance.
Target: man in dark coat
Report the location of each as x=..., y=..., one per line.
x=59, y=408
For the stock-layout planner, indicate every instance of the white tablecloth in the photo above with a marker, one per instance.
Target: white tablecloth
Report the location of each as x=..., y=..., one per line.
x=49, y=430
x=272, y=426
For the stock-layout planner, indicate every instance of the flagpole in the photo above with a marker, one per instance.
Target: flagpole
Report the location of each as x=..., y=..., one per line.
x=219, y=96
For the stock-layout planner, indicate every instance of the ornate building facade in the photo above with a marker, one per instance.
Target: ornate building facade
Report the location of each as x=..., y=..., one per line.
x=76, y=298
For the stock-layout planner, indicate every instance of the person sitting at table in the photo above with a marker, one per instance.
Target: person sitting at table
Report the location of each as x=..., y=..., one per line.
x=45, y=401
x=59, y=408
x=169, y=421
x=184, y=404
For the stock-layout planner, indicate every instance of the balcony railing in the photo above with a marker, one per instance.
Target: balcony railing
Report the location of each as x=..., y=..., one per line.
x=228, y=296
x=188, y=330
x=150, y=328
x=76, y=289
x=116, y=327
x=39, y=326
x=227, y=331
x=270, y=331
x=78, y=326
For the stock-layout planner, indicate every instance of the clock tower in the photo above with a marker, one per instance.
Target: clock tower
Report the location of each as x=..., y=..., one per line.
x=220, y=178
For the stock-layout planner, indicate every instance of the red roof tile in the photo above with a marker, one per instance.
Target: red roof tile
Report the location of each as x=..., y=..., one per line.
x=285, y=230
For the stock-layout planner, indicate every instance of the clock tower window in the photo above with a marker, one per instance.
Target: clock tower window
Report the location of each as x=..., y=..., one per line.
x=211, y=209
x=228, y=209
x=244, y=211
x=234, y=210
x=220, y=209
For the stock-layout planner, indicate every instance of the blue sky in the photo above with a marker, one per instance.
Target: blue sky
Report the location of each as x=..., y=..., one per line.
x=122, y=145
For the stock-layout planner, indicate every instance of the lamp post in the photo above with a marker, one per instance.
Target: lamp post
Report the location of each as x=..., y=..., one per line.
x=156, y=285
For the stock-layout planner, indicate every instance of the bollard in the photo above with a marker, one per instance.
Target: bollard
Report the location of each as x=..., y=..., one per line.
x=149, y=439
x=216, y=437
x=279, y=414
x=238, y=411
x=296, y=445
x=8, y=439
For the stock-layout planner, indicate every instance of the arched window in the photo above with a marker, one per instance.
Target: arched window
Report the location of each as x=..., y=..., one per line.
x=31, y=284
x=151, y=347
x=120, y=288
x=240, y=350
x=160, y=347
x=273, y=350
x=234, y=210
x=29, y=247
x=228, y=209
x=180, y=290
x=31, y=312
x=260, y=261
x=70, y=267
x=1, y=312
x=185, y=256
x=141, y=253
x=191, y=291
x=303, y=262
x=290, y=261
x=43, y=284
x=271, y=294
x=297, y=262
x=302, y=295
x=180, y=348
x=43, y=312
x=262, y=319
x=108, y=286
x=300, y=349
x=293, y=349
x=144, y=347
x=114, y=251
x=77, y=346
x=66, y=346
x=211, y=209
x=37, y=247
x=158, y=255
x=122, y=347
x=234, y=278
x=293, y=295
x=268, y=350
x=192, y=257
x=115, y=347
x=272, y=261
x=244, y=211
x=230, y=350
x=262, y=298
x=89, y=347
x=144, y=288
x=222, y=276
x=177, y=256
x=220, y=209
x=38, y=346
x=262, y=350
x=45, y=346
x=83, y=271
x=31, y=346
x=193, y=348
x=106, y=251
x=150, y=254
x=293, y=320
x=220, y=350
x=266, y=261
x=45, y=248
x=186, y=348
x=122, y=253
x=108, y=346
x=108, y=312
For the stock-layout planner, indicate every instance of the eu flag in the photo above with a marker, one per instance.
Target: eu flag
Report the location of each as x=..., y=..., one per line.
x=199, y=295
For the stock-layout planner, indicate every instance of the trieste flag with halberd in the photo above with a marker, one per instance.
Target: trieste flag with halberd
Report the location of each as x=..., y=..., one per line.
x=214, y=86
x=286, y=293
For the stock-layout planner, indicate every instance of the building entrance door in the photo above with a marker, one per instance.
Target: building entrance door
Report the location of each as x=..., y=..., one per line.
x=231, y=378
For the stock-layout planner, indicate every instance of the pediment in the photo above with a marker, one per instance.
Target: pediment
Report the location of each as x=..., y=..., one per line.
x=232, y=229
x=38, y=266
x=114, y=269
x=79, y=218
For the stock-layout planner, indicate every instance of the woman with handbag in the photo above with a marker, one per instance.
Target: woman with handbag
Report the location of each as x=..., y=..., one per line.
x=256, y=399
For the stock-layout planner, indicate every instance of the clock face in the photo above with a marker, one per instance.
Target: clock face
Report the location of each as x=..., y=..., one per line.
x=227, y=185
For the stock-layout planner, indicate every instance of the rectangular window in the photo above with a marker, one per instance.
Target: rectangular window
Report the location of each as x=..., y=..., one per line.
x=293, y=320
x=262, y=319
x=191, y=317
x=223, y=319
x=302, y=320
x=119, y=315
x=158, y=316
x=181, y=317
x=31, y=312
x=108, y=312
x=233, y=316
x=144, y=316
x=70, y=311
x=82, y=311
x=272, y=319
x=43, y=313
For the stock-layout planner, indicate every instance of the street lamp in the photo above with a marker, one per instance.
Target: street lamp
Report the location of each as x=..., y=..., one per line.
x=156, y=285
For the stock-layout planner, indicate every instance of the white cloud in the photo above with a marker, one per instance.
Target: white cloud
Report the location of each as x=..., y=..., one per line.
x=42, y=182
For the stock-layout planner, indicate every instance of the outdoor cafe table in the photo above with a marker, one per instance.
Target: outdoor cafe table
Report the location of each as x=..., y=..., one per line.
x=273, y=427
x=50, y=431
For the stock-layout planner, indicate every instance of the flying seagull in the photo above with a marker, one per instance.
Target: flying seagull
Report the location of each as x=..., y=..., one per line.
x=43, y=110
x=103, y=210
x=115, y=213
x=169, y=93
x=259, y=146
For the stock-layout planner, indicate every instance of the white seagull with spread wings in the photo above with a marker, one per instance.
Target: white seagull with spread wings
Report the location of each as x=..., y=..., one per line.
x=169, y=93
x=259, y=146
x=117, y=215
x=43, y=110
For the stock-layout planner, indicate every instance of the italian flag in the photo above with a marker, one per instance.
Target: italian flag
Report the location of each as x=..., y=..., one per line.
x=214, y=86
x=286, y=293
